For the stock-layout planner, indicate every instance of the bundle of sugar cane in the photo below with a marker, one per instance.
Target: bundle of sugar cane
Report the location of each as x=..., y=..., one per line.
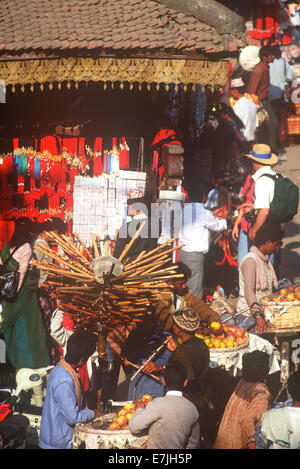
x=108, y=300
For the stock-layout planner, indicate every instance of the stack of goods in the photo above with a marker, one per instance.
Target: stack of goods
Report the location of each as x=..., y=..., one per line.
x=222, y=338
x=99, y=292
x=121, y=419
x=100, y=204
x=283, y=308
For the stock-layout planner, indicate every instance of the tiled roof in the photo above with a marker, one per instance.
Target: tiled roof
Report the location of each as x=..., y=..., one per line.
x=108, y=26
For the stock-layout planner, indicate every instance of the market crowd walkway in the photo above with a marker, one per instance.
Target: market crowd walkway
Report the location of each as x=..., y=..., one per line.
x=290, y=253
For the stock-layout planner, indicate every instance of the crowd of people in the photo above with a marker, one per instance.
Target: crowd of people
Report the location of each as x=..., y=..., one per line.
x=194, y=405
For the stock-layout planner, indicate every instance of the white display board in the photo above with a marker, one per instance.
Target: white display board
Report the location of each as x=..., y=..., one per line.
x=100, y=204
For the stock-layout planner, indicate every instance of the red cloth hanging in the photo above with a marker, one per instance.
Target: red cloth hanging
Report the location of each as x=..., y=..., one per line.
x=15, y=143
x=49, y=144
x=6, y=168
x=123, y=155
x=97, y=158
x=81, y=147
x=71, y=145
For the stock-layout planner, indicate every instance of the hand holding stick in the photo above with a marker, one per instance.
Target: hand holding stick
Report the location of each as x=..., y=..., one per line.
x=150, y=358
x=127, y=362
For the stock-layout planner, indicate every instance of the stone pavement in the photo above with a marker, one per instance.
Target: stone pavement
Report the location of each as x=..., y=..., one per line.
x=290, y=252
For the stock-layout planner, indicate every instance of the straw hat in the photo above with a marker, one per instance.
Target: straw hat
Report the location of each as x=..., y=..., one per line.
x=186, y=319
x=262, y=154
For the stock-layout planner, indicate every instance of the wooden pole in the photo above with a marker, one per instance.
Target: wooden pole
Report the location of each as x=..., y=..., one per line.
x=150, y=358
x=136, y=235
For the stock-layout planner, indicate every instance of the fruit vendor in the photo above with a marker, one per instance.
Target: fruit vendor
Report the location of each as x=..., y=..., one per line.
x=191, y=352
x=140, y=345
x=257, y=276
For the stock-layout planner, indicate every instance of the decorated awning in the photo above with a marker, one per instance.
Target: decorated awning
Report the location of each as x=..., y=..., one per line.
x=71, y=71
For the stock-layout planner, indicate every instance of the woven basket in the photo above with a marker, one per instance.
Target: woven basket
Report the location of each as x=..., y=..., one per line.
x=285, y=316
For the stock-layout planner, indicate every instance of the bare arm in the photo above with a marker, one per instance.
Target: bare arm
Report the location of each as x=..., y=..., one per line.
x=260, y=219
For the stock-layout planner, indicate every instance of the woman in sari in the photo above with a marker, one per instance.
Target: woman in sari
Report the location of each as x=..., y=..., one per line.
x=22, y=325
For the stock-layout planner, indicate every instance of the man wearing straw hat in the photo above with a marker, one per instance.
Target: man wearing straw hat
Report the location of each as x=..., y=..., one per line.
x=262, y=161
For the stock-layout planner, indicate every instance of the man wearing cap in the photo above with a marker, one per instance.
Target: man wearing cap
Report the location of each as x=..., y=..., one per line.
x=138, y=212
x=262, y=160
x=245, y=109
x=192, y=352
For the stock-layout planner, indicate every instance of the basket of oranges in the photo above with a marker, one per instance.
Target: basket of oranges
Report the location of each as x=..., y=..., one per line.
x=283, y=309
x=110, y=431
x=221, y=338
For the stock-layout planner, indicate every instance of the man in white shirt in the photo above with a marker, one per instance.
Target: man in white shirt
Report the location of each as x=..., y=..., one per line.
x=262, y=160
x=245, y=109
x=197, y=223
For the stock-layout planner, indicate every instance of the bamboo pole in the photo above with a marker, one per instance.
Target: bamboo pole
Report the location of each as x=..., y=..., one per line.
x=95, y=245
x=150, y=358
x=157, y=256
x=148, y=374
x=60, y=259
x=150, y=253
x=136, y=235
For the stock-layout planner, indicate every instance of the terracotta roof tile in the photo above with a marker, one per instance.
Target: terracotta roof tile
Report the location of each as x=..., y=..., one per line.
x=102, y=24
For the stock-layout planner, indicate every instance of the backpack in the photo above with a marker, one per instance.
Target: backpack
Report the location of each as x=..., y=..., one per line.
x=284, y=205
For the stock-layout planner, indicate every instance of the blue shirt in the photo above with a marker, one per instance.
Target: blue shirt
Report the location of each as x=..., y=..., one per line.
x=138, y=350
x=280, y=72
x=60, y=411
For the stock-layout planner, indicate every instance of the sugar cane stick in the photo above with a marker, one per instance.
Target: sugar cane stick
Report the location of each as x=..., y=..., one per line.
x=140, y=255
x=148, y=374
x=79, y=253
x=157, y=256
x=150, y=253
x=62, y=272
x=146, y=269
x=59, y=258
x=150, y=358
x=136, y=235
x=95, y=245
x=75, y=251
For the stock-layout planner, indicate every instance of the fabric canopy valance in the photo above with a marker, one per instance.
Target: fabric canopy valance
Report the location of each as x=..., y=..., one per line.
x=46, y=72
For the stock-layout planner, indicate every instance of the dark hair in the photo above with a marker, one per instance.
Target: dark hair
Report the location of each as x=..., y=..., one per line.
x=293, y=385
x=183, y=269
x=225, y=109
x=80, y=345
x=56, y=224
x=175, y=375
x=265, y=51
x=22, y=233
x=269, y=231
x=255, y=366
x=276, y=51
